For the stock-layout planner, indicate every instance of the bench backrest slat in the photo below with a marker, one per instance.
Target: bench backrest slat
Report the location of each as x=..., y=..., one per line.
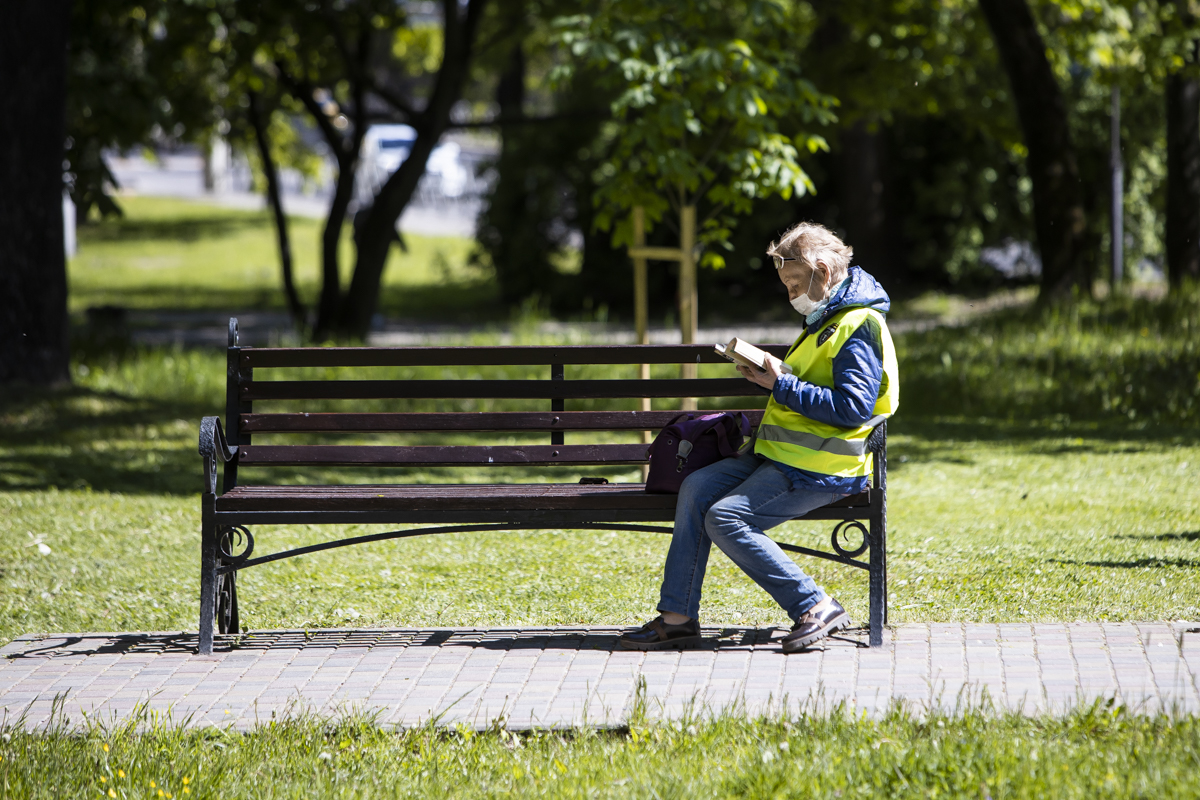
x=498, y=389
x=479, y=421
x=442, y=456
x=260, y=357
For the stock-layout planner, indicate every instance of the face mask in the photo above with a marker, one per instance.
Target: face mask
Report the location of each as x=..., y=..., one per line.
x=804, y=304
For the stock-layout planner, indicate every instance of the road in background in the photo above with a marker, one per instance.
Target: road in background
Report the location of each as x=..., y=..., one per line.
x=435, y=210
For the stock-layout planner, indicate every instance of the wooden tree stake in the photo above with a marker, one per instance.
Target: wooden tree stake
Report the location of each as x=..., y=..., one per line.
x=641, y=306
x=688, y=316
x=686, y=256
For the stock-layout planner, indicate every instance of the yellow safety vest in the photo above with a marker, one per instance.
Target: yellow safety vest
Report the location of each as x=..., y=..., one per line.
x=796, y=440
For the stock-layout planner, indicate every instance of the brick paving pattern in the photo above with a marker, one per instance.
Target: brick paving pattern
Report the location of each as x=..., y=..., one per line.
x=564, y=677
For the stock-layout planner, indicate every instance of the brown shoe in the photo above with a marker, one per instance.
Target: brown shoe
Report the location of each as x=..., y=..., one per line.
x=816, y=625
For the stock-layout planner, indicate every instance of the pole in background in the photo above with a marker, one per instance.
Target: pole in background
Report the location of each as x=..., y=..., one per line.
x=1118, y=193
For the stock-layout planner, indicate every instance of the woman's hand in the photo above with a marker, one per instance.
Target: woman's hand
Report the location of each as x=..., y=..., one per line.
x=766, y=377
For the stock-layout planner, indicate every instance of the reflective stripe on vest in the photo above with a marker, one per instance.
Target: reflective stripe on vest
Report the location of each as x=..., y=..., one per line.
x=835, y=445
x=793, y=439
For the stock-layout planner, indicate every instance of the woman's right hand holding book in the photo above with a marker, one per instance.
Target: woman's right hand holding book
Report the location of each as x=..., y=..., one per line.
x=766, y=376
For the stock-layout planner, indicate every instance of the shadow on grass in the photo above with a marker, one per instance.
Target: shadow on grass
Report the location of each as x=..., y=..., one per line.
x=191, y=228
x=1050, y=433
x=1136, y=563
x=79, y=438
x=1188, y=536
x=462, y=302
x=468, y=302
x=201, y=296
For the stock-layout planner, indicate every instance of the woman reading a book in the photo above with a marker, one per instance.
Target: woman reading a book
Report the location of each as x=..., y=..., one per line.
x=809, y=450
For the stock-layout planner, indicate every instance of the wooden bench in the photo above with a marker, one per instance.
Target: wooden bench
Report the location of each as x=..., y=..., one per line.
x=228, y=546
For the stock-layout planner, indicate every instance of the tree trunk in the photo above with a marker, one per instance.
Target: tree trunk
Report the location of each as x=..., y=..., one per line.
x=275, y=200
x=864, y=212
x=1183, y=179
x=346, y=149
x=34, y=341
x=331, y=236
x=378, y=231
x=1057, y=197
x=522, y=269
x=510, y=89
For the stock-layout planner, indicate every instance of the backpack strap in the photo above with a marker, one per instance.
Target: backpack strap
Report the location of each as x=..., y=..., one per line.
x=740, y=423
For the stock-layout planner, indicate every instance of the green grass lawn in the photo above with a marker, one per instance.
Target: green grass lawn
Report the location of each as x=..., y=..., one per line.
x=175, y=254
x=990, y=520
x=1093, y=752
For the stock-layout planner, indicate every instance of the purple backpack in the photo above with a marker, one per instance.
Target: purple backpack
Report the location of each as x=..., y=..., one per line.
x=691, y=442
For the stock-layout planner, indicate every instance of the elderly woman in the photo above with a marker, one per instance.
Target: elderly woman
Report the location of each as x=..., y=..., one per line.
x=808, y=451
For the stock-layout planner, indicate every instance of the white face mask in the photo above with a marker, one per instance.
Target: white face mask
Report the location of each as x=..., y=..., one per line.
x=804, y=304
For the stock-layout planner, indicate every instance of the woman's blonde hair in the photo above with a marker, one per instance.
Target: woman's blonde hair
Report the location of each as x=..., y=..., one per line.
x=810, y=242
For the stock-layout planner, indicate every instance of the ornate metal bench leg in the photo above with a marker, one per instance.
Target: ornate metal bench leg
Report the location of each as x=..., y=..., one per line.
x=229, y=537
x=208, y=580
x=878, y=579
x=227, y=605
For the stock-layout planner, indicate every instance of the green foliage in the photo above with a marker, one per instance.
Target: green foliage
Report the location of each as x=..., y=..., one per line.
x=1098, y=750
x=543, y=192
x=709, y=107
x=138, y=73
x=1133, y=45
x=925, y=76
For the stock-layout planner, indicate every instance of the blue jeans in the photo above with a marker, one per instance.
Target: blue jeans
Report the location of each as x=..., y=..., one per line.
x=731, y=503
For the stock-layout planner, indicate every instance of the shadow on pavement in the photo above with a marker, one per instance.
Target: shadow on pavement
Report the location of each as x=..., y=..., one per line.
x=357, y=641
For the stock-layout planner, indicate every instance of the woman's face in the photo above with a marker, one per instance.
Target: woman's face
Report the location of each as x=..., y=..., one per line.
x=799, y=279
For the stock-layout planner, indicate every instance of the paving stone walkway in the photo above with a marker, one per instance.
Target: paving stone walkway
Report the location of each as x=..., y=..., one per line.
x=561, y=677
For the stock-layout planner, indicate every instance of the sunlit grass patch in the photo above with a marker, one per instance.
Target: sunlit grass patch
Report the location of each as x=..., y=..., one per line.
x=1097, y=750
x=178, y=254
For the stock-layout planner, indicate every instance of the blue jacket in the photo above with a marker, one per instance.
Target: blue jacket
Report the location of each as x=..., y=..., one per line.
x=857, y=372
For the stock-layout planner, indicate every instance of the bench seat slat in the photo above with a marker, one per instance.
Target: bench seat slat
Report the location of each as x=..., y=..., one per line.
x=264, y=357
x=455, y=497
x=440, y=455
x=332, y=422
x=499, y=389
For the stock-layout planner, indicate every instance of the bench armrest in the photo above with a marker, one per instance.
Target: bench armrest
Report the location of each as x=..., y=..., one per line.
x=212, y=447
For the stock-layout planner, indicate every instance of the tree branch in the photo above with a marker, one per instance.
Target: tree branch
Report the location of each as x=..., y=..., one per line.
x=302, y=90
x=358, y=87
x=716, y=143
x=514, y=23
x=716, y=210
x=409, y=114
x=523, y=120
x=711, y=181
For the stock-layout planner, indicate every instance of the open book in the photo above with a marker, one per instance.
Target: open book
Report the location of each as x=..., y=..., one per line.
x=746, y=354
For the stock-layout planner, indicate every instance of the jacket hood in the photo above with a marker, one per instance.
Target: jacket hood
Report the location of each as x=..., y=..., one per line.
x=863, y=291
